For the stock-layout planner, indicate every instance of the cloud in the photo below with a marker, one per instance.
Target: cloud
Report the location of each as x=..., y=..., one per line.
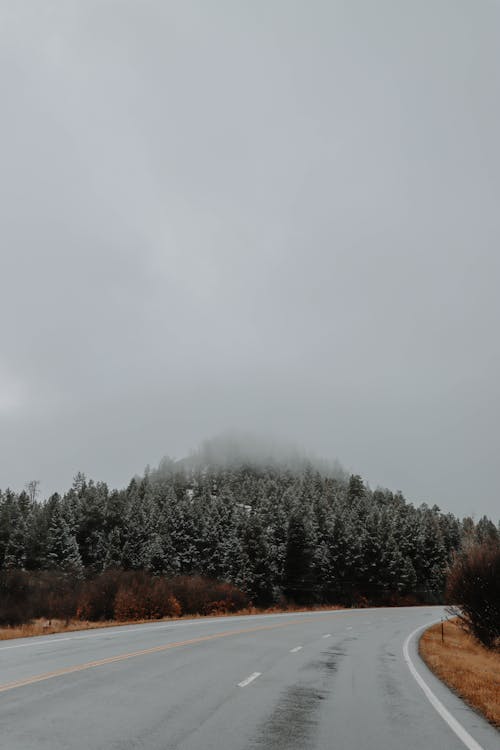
x=11, y=394
x=253, y=217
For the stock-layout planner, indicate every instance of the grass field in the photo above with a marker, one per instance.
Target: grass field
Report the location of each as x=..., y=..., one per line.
x=466, y=666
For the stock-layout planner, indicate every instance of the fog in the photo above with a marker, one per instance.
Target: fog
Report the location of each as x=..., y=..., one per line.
x=276, y=217
x=234, y=449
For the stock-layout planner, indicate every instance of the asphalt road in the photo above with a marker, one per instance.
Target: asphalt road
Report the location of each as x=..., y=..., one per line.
x=335, y=680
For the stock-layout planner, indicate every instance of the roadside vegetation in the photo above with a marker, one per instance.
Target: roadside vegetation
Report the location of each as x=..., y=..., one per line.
x=114, y=595
x=50, y=602
x=473, y=589
x=213, y=534
x=42, y=626
x=465, y=652
x=465, y=665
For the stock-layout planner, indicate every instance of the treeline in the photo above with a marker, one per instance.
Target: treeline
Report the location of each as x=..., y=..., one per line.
x=274, y=533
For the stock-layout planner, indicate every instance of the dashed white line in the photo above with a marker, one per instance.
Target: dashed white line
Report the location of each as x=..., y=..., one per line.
x=249, y=679
x=327, y=635
x=349, y=627
x=294, y=650
x=141, y=628
x=459, y=730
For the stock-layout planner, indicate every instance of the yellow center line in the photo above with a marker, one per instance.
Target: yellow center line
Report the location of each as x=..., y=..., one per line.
x=144, y=652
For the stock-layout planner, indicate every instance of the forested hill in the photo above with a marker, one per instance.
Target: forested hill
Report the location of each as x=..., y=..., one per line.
x=273, y=531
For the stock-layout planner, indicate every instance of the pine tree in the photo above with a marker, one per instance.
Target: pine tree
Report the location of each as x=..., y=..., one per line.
x=16, y=552
x=114, y=549
x=356, y=488
x=298, y=573
x=270, y=530
x=256, y=548
x=63, y=553
x=486, y=532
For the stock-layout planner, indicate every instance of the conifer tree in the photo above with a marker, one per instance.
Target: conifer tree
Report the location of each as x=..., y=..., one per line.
x=63, y=553
x=298, y=573
x=16, y=552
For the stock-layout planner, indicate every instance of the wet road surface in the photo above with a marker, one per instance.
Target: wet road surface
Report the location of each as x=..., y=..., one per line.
x=336, y=680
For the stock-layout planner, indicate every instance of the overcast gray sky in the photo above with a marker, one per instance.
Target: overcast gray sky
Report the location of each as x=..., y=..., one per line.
x=276, y=216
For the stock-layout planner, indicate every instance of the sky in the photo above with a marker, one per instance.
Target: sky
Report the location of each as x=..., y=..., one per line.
x=271, y=216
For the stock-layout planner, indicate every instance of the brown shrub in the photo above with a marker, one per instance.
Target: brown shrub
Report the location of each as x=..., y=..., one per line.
x=126, y=606
x=114, y=594
x=145, y=597
x=16, y=604
x=473, y=588
x=97, y=596
x=199, y=595
x=27, y=595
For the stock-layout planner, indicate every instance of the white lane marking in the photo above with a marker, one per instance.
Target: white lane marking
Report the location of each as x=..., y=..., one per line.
x=349, y=627
x=249, y=679
x=327, y=635
x=38, y=643
x=42, y=640
x=459, y=730
x=294, y=650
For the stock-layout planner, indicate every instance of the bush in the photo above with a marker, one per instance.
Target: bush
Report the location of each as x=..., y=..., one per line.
x=57, y=595
x=16, y=604
x=97, y=596
x=473, y=588
x=114, y=594
x=27, y=595
x=144, y=597
x=199, y=595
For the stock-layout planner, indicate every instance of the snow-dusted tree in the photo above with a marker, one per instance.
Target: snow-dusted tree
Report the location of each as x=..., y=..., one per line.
x=486, y=532
x=114, y=549
x=16, y=552
x=260, y=581
x=356, y=488
x=63, y=553
x=317, y=536
x=299, y=571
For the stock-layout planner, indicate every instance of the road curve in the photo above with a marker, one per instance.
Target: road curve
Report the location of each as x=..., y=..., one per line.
x=310, y=680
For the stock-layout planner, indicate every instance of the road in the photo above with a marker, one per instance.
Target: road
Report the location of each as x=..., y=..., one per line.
x=336, y=680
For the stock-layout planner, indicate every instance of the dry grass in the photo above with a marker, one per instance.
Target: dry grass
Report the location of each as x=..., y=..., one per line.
x=466, y=666
x=49, y=627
